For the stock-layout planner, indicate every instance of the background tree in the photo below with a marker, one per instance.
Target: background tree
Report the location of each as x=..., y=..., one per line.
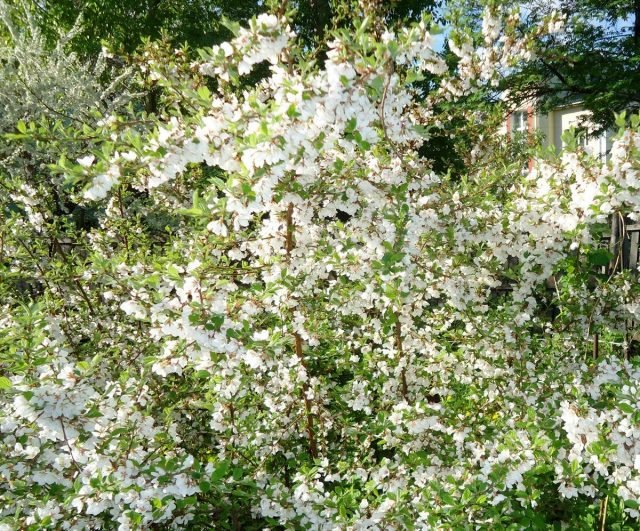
x=45, y=87
x=124, y=23
x=595, y=59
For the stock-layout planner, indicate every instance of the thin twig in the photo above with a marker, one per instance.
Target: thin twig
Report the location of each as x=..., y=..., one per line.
x=403, y=373
x=66, y=440
x=311, y=435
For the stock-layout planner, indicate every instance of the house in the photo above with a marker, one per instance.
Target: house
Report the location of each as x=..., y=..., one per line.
x=527, y=119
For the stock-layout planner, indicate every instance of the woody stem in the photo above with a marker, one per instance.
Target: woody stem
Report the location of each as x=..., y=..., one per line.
x=311, y=435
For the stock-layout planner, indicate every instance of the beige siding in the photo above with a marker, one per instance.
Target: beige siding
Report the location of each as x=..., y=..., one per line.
x=553, y=124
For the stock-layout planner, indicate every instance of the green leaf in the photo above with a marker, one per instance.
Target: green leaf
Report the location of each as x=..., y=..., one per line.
x=198, y=202
x=173, y=273
x=246, y=189
x=392, y=46
x=204, y=93
x=220, y=471
x=292, y=112
x=626, y=408
x=232, y=26
x=414, y=75
x=377, y=84
x=421, y=130
x=215, y=322
x=600, y=257
x=621, y=119
x=5, y=383
x=391, y=258
x=93, y=413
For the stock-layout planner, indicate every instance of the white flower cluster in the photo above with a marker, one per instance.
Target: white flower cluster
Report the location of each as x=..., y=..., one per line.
x=66, y=432
x=264, y=40
x=362, y=341
x=605, y=443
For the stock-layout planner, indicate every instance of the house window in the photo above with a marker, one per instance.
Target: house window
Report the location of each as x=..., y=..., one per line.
x=581, y=137
x=520, y=122
x=602, y=147
x=581, y=131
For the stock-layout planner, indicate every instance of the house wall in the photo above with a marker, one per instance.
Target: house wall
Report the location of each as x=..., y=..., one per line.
x=553, y=124
x=575, y=116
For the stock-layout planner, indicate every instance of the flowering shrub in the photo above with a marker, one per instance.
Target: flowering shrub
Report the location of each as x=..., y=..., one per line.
x=281, y=316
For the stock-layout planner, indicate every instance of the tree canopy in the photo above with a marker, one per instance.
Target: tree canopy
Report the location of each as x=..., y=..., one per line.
x=595, y=59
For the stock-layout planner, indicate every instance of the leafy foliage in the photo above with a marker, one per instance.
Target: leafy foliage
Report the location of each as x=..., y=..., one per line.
x=261, y=307
x=593, y=59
